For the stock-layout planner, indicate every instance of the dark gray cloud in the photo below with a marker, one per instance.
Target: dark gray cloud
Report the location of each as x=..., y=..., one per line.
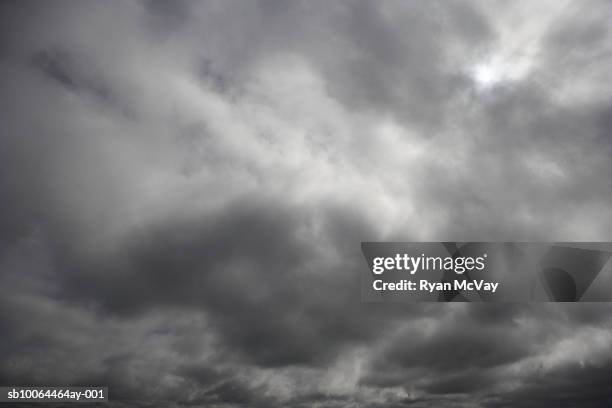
x=184, y=187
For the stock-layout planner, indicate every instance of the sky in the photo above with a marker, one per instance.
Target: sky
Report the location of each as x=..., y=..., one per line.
x=184, y=187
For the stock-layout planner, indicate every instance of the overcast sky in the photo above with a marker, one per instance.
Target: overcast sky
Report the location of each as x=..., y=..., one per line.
x=184, y=187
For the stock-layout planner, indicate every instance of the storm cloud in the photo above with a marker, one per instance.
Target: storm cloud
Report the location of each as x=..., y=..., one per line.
x=184, y=187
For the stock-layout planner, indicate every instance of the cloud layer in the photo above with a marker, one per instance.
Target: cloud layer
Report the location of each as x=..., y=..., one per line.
x=184, y=187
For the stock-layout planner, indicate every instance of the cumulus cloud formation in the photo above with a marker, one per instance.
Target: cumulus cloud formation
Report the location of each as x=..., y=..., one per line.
x=184, y=187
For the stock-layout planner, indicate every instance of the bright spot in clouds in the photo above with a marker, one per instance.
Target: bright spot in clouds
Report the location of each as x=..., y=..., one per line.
x=486, y=75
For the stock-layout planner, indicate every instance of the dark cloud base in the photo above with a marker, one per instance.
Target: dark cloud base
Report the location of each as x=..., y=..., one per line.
x=184, y=187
